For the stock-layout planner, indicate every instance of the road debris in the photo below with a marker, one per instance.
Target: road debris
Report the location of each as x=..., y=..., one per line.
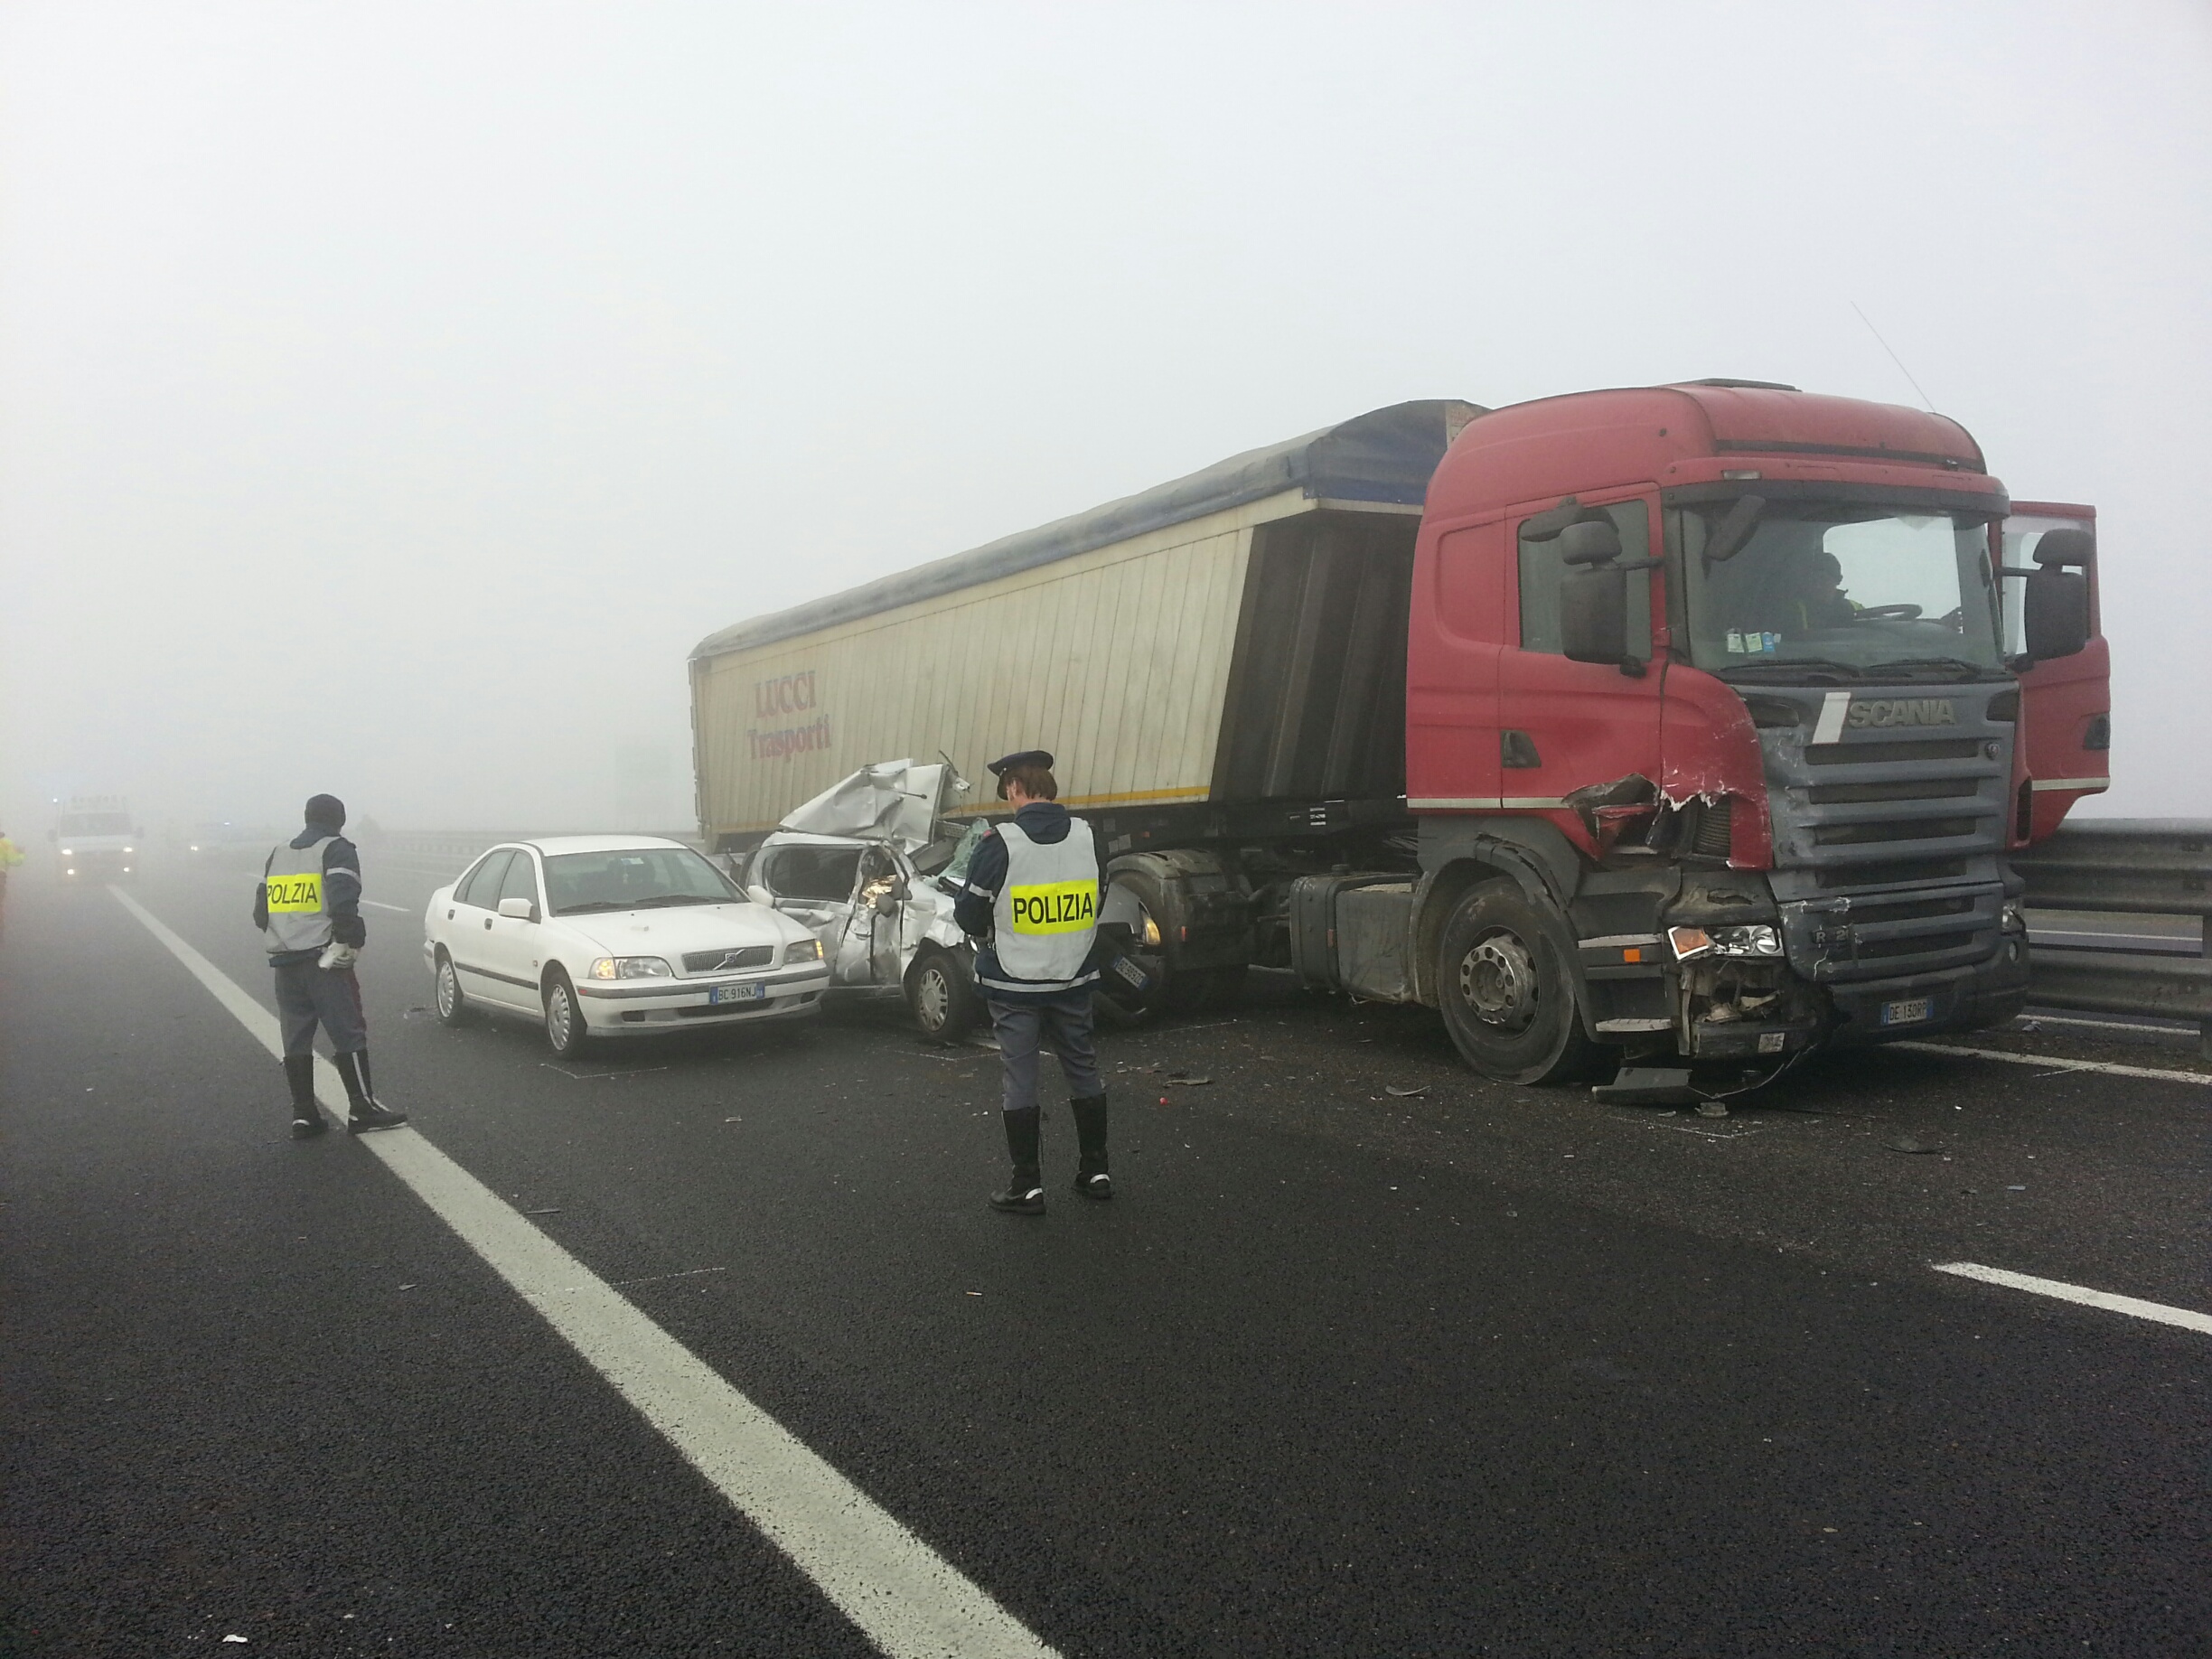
x=1395, y=1092
x=1712, y=1109
x=1906, y=1143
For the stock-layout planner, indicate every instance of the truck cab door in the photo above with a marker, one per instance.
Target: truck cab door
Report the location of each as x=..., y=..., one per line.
x=1565, y=726
x=2061, y=747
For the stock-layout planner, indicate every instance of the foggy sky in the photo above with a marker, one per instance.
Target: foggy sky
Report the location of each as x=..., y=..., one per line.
x=391, y=396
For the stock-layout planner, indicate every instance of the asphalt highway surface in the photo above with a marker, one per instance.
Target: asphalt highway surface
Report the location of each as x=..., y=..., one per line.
x=1368, y=1356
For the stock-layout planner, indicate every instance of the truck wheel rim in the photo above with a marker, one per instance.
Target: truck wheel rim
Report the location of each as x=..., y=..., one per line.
x=558, y=1016
x=932, y=998
x=448, y=990
x=1498, y=982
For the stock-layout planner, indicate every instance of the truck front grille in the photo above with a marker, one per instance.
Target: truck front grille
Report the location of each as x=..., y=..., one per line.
x=1887, y=849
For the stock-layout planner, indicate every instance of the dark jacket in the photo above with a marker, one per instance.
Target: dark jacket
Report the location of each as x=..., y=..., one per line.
x=1044, y=821
x=342, y=891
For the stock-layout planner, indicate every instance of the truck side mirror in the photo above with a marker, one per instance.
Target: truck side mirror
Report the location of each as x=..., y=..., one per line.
x=1594, y=611
x=2055, y=608
x=1594, y=541
x=2055, y=613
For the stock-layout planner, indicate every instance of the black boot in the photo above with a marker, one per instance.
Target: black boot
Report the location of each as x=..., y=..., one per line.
x=307, y=1119
x=1024, y=1193
x=363, y=1114
x=1091, y=1177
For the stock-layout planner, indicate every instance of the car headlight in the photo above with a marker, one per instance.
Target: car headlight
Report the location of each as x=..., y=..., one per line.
x=128, y=849
x=632, y=967
x=67, y=853
x=804, y=951
x=1758, y=939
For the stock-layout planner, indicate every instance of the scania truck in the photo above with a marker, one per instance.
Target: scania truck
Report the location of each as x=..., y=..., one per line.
x=1652, y=725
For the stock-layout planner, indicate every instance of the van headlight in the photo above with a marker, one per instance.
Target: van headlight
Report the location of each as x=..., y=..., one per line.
x=632, y=967
x=804, y=951
x=1756, y=940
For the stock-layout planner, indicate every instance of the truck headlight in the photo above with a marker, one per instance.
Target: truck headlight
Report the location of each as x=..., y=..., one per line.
x=66, y=853
x=2014, y=917
x=1755, y=940
x=631, y=968
x=804, y=951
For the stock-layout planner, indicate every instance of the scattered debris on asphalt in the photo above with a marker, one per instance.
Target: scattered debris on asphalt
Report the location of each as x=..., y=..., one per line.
x=1906, y=1143
x=1187, y=1080
x=551, y=1212
x=1712, y=1109
x=1395, y=1092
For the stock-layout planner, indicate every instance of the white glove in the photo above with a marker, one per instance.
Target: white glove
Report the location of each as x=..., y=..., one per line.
x=336, y=955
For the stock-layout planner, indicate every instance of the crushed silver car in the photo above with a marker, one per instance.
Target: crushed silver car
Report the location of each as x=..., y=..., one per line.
x=870, y=866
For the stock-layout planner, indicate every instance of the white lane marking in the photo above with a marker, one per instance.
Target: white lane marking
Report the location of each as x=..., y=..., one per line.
x=380, y=905
x=1829, y=728
x=905, y=1598
x=2140, y=1310
x=2059, y=1062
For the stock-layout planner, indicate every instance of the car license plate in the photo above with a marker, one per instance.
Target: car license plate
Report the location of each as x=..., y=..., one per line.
x=736, y=993
x=1911, y=1011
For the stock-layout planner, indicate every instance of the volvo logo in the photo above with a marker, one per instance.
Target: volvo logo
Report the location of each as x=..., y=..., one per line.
x=1878, y=711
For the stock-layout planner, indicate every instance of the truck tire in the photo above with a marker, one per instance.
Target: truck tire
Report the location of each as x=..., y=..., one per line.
x=941, y=994
x=565, y=1030
x=1508, y=991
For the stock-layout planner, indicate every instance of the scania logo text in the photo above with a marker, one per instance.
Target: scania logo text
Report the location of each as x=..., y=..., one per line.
x=1878, y=711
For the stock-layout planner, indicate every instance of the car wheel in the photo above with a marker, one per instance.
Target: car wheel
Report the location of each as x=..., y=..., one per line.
x=452, y=1006
x=564, y=1018
x=1507, y=992
x=943, y=995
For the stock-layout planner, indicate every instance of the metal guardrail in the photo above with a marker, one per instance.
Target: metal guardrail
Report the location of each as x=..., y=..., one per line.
x=2159, y=867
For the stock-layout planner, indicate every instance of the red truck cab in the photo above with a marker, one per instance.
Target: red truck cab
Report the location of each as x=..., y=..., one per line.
x=1746, y=691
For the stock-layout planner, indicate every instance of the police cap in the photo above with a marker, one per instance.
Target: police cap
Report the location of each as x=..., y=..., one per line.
x=1023, y=757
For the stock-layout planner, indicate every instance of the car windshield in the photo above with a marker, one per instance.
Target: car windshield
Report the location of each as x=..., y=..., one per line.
x=1843, y=590
x=96, y=823
x=633, y=878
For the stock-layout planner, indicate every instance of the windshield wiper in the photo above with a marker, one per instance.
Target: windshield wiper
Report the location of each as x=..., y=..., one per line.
x=1811, y=670
x=660, y=901
x=582, y=906
x=1957, y=668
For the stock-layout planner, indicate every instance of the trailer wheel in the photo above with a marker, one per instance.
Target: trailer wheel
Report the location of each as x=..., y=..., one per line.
x=943, y=996
x=1507, y=993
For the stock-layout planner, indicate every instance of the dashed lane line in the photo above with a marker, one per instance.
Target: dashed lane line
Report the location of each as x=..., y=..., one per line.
x=2184, y=1317
x=380, y=905
x=906, y=1598
x=2056, y=1063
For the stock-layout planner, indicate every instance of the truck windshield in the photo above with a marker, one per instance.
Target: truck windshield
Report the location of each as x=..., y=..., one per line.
x=96, y=823
x=1847, y=588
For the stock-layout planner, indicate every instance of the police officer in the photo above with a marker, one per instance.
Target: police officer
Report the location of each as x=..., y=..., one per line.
x=1031, y=901
x=308, y=908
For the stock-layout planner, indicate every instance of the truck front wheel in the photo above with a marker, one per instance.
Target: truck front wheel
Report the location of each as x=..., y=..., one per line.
x=1507, y=993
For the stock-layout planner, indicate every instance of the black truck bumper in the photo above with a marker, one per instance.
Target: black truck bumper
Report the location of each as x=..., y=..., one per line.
x=1949, y=999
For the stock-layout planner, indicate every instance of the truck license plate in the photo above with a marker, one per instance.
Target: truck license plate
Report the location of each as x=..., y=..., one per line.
x=736, y=993
x=1911, y=1011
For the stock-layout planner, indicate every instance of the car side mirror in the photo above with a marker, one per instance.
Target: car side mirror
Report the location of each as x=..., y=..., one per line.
x=760, y=895
x=520, y=909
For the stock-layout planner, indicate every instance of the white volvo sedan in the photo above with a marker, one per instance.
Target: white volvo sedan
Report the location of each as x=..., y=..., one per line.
x=614, y=935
